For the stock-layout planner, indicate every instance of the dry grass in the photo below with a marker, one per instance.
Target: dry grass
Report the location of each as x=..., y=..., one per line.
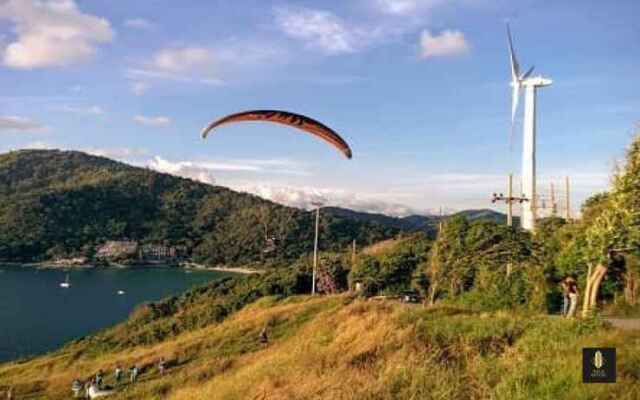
x=383, y=247
x=340, y=348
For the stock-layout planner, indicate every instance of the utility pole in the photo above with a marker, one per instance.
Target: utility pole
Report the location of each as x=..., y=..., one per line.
x=353, y=253
x=554, y=205
x=315, y=247
x=568, y=199
x=440, y=221
x=510, y=203
x=509, y=199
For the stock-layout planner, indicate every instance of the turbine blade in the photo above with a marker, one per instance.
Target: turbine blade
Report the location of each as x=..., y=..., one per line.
x=515, y=68
x=526, y=74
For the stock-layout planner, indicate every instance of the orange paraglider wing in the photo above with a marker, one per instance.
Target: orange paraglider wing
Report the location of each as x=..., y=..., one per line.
x=298, y=121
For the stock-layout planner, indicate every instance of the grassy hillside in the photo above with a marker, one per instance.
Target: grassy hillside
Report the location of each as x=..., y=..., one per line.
x=337, y=347
x=60, y=203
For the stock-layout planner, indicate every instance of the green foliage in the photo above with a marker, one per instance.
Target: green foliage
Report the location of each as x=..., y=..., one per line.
x=617, y=227
x=391, y=272
x=61, y=203
x=608, y=233
x=474, y=259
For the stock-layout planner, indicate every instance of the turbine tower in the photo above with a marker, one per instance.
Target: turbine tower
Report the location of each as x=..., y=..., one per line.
x=530, y=85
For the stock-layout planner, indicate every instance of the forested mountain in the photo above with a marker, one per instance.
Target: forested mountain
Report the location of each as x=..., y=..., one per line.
x=60, y=203
x=415, y=223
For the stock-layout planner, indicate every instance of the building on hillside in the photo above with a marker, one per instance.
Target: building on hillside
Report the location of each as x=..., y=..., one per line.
x=117, y=249
x=161, y=252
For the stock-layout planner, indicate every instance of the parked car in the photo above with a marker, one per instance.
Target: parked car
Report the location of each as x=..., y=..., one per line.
x=410, y=297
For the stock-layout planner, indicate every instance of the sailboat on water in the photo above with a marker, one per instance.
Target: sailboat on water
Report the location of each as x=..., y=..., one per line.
x=66, y=284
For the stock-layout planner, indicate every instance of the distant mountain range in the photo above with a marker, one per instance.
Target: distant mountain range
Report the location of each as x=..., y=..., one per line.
x=57, y=204
x=413, y=223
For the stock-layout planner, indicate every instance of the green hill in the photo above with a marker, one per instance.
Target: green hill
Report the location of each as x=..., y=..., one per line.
x=416, y=223
x=62, y=203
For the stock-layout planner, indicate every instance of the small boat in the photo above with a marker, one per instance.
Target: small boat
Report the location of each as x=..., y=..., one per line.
x=120, y=292
x=66, y=284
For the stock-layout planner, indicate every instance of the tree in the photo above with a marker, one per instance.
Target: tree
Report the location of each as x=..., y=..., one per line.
x=615, y=230
x=445, y=258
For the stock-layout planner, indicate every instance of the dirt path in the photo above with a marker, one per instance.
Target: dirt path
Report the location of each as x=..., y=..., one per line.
x=625, y=323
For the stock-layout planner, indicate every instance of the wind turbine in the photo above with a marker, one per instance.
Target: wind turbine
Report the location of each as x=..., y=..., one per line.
x=530, y=85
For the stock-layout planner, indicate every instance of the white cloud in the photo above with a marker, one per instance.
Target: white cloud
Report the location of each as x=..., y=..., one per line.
x=181, y=60
x=448, y=43
x=39, y=145
x=190, y=64
x=203, y=171
x=91, y=110
x=303, y=197
x=15, y=124
x=139, y=23
x=51, y=33
x=117, y=153
x=152, y=121
x=319, y=29
x=140, y=88
x=213, y=66
x=208, y=171
x=213, y=172
x=405, y=7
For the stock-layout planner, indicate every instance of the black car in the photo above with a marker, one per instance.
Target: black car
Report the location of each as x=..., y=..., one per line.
x=410, y=297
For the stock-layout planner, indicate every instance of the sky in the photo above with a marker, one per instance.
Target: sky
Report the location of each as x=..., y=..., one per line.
x=419, y=88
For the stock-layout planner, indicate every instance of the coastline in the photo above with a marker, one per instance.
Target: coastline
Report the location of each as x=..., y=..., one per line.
x=202, y=267
x=188, y=265
x=45, y=265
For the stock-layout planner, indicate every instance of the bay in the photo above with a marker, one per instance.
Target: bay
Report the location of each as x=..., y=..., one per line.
x=37, y=315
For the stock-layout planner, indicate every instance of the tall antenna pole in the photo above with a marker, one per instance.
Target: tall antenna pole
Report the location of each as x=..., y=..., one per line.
x=568, y=199
x=510, y=202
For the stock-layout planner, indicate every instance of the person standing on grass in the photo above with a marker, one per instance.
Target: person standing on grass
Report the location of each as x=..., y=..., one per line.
x=87, y=386
x=76, y=388
x=118, y=373
x=99, y=379
x=264, y=339
x=134, y=374
x=573, y=297
x=161, y=366
x=564, y=285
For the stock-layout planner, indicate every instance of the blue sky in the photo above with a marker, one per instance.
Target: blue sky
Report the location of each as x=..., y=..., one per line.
x=419, y=88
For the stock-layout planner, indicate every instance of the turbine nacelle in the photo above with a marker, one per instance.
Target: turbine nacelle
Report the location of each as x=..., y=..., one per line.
x=536, y=81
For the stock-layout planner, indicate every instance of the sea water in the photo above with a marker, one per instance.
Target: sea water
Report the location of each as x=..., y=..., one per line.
x=37, y=315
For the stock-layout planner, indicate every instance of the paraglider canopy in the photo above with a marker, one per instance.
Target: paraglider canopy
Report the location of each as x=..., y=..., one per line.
x=298, y=121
